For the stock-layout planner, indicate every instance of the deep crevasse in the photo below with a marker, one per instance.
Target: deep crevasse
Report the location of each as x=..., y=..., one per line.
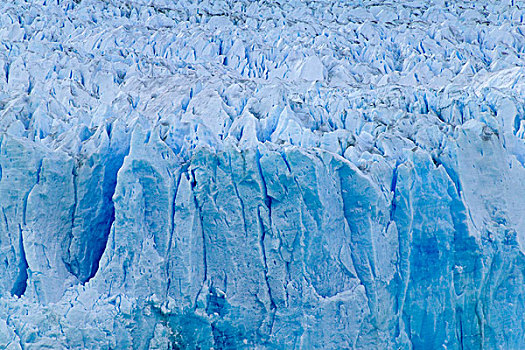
x=261, y=175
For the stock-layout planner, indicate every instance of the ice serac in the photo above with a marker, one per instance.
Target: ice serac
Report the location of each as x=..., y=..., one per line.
x=262, y=175
x=20, y=166
x=438, y=252
x=95, y=178
x=141, y=229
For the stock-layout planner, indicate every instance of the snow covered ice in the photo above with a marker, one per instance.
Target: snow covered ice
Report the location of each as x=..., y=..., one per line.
x=262, y=175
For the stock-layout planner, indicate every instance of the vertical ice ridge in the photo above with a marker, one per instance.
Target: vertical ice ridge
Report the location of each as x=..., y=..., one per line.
x=241, y=202
x=176, y=185
x=109, y=190
x=20, y=285
x=72, y=215
x=193, y=182
x=267, y=198
x=37, y=180
x=263, y=229
x=403, y=217
x=393, y=191
x=273, y=306
x=355, y=195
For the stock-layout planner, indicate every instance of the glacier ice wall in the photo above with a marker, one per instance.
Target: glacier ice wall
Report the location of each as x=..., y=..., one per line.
x=262, y=175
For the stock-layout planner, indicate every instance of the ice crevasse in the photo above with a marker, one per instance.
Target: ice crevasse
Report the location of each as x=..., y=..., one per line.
x=262, y=175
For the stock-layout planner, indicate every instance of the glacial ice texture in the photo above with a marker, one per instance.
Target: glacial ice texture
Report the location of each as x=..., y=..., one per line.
x=262, y=175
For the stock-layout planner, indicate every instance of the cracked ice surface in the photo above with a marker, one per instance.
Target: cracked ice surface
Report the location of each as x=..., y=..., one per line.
x=240, y=175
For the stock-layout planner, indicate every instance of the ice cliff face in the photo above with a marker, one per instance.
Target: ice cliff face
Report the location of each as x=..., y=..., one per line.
x=262, y=175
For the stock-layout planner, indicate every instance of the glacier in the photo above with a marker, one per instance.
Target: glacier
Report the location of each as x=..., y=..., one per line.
x=262, y=175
